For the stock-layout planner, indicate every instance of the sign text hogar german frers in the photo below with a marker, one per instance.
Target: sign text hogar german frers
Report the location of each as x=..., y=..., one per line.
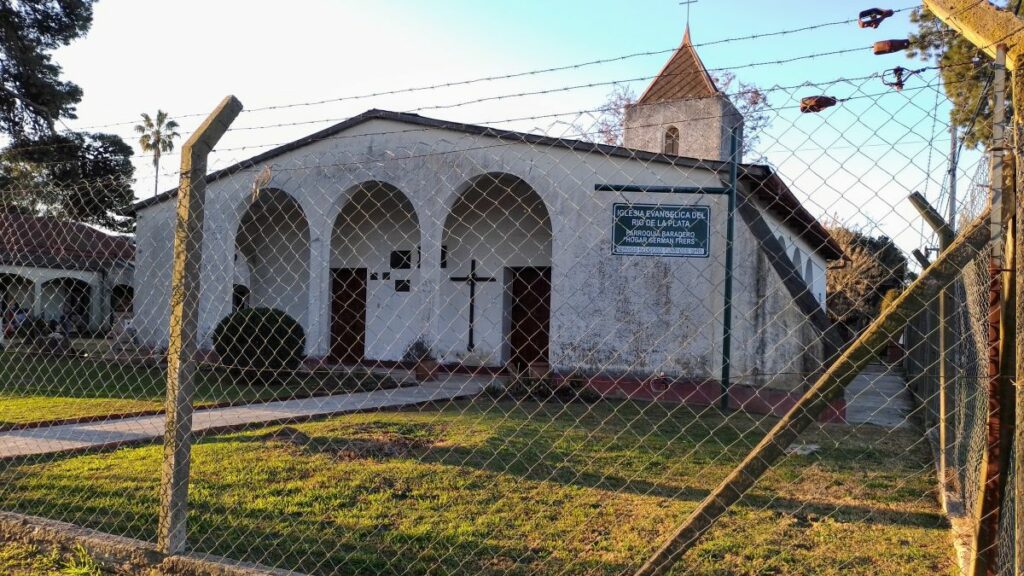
x=661, y=230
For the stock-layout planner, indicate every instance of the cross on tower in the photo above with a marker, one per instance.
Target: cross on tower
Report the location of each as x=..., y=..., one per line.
x=687, y=4
x=472, y=280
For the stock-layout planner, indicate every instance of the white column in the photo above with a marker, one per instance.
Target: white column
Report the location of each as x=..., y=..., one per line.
x=37, y=302
x=318, y=325
x=96, y=307
x=431, y=275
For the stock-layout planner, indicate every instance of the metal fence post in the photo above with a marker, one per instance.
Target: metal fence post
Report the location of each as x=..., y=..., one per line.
x=730, y=233
x=184, y=320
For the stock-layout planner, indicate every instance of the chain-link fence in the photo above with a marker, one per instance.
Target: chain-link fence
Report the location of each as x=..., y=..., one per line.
x=420, y=346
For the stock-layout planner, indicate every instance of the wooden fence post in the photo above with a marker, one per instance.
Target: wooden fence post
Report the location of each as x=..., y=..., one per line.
x=184, y=321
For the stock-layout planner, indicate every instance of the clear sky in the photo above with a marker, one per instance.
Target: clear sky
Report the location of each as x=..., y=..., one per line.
x=183, y=56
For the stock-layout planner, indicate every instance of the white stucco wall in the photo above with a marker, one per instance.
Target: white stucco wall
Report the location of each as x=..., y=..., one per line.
x=796, y=245
x=154, y=242
x=610, y=313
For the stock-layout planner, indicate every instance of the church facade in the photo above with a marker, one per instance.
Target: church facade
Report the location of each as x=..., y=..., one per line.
x=496, y=248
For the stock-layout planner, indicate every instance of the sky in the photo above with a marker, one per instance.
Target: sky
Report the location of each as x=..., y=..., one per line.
x=855, y=162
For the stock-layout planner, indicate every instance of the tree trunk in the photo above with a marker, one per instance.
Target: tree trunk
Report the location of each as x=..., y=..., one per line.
x=156, y=170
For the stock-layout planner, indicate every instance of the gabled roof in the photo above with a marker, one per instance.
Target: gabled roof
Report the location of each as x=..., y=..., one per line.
x=47, y=242
x=765, y=184
x=684, y=76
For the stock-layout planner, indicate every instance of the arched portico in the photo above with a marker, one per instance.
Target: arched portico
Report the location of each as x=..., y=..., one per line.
x=375, y=259
x=272, y=245
x=69, y=301
x=496, y=302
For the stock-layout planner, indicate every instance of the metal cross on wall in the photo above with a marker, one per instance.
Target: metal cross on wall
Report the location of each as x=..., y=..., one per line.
x=472, y=280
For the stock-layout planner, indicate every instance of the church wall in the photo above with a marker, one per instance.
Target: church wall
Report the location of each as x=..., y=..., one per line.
x=609, y=313
x=774, y=344
x=154, y=244
x=793, y=242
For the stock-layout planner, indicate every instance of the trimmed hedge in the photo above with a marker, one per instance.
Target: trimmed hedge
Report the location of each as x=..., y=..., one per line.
x=258, y=340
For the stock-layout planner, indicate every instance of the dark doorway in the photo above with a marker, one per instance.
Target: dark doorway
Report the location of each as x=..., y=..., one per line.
x=121, y=298
x=348, y=315
x=239, y=297
x=529, y=315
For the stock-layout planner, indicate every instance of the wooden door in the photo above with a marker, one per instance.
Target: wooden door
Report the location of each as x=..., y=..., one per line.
x=530, y=315
x=348, y=315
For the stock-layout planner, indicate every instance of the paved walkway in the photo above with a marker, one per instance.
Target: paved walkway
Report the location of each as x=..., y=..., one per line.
x=879, y=395
x=105, y=434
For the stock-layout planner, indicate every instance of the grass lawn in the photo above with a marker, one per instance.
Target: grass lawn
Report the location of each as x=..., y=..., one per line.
x=39, y=388
x=497, y=488
x=18, y=559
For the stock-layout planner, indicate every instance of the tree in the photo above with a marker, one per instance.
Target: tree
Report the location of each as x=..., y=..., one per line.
x=874, y=266
x=43, y=171
x=750, y=101
x=33, y=96
x=76, y=176
x=752, y=104
x=157, y=137
x=965, y=72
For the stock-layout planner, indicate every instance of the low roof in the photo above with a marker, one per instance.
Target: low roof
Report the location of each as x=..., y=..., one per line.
x=47, y=242
x=766, y=184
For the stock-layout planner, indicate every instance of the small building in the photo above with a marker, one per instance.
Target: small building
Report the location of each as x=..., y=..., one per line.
x=498, y=248
x=64, y=271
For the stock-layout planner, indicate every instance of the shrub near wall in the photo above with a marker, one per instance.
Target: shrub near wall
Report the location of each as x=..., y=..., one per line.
x=259, y=342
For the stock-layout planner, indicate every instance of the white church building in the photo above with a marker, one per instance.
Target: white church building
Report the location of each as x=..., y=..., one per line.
x=498, y=248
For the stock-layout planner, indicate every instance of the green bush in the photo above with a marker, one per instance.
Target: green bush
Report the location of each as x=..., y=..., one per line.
x=255, y=341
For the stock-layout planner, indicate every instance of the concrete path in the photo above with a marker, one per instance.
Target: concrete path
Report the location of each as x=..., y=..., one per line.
x=105, y=434
x=879, y=395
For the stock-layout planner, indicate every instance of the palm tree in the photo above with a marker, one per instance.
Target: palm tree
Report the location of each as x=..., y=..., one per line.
x=157, y=136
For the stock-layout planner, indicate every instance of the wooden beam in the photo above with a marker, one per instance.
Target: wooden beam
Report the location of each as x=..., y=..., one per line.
x=983, y=25
x=947, y=267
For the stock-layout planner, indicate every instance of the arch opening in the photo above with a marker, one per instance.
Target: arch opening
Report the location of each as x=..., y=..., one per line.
x=375, y=264
x=272, y=245
x=671, y=141
x=496, y=304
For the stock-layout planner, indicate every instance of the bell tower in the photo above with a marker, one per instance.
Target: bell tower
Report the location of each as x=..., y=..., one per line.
x=682, y=112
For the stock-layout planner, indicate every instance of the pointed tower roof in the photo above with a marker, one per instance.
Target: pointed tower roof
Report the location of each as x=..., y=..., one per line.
x=684, y=76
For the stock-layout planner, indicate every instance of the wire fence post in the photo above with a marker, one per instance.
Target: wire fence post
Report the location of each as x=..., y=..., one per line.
x=945, y=335
x=993, y=472
x=734, y=160
x=184, y=320
x=1018, y=266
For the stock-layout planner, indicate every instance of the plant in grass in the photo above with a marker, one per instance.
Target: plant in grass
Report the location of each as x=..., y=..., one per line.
x=422, y=357
x=258, y=344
